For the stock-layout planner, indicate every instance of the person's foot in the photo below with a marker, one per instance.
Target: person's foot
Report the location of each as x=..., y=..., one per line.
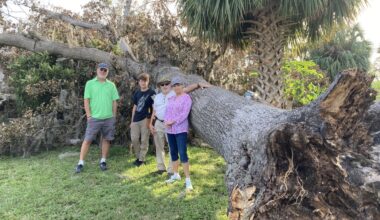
x=173, y=178
x=103, y=166
x=79, y=168
x=188, y=185
x=159, y=172
x=136, y=162
x=139, y=163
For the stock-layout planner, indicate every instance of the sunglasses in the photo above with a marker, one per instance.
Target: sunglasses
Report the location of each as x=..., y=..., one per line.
x=165, y=84
x=177, y=84
x=103, y=69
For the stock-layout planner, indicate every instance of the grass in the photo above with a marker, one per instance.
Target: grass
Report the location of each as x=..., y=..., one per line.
x=376, y=86
x=45, y=187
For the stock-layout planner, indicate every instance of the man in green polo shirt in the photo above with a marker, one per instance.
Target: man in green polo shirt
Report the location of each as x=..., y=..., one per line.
x=100, y=104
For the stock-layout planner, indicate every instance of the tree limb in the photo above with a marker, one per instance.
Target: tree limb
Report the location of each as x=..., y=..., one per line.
x=79, y=53
x=75, y=22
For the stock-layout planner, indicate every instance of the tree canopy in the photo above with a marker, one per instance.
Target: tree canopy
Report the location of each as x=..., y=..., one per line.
x=224, y=21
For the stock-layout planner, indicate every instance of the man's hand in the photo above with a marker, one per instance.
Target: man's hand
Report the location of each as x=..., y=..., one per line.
x=169, y=124
x=152, y=129
x=132, y=123
x=204, y=85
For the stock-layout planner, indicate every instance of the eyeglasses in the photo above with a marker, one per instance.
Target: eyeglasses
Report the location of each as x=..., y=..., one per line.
x=165, y=84
x=103, y=69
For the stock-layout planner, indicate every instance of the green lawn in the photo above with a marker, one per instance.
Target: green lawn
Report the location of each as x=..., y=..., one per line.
x=376, y=86
x=45, y=187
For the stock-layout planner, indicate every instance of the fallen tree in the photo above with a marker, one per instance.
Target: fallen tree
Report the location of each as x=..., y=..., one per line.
x=280, y=164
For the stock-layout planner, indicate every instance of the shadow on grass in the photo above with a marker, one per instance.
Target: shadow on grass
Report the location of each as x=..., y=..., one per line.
x=45, y=186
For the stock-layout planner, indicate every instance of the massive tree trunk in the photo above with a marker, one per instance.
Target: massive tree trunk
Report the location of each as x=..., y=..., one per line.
x=280, y=164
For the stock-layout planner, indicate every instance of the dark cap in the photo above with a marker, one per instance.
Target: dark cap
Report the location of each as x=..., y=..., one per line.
x=103, y=65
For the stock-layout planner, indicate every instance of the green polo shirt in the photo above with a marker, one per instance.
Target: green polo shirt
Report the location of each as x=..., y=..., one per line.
x=101, y=96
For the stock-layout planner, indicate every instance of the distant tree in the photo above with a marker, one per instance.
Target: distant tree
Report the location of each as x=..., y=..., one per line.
x=347, y=49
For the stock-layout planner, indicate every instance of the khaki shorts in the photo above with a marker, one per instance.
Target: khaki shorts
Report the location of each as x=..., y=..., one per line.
x=105, y=126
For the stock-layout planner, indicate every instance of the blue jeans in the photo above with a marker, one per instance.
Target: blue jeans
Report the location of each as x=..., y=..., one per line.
x=177, y=144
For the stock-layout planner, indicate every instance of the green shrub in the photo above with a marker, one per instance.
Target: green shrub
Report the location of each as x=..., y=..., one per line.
x=37, y=79
x=304, y=82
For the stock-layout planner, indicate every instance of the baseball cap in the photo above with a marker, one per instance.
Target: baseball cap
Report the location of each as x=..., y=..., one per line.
x=163, y=79
x=177, y=80
x=103, y=65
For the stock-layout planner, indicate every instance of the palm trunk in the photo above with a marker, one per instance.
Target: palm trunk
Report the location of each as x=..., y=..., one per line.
x=267, y=31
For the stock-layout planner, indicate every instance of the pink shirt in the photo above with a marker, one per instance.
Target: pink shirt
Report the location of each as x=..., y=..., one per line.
x=178, y=110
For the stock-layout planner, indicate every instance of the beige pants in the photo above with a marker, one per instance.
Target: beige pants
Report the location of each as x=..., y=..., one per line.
x=140, y=129
x=159, y=141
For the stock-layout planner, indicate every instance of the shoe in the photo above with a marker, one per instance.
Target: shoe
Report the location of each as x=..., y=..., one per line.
x=79, y=168
x=173, y=178
x=189, y=186
x=170, y=174
x=139, y=163
x=159, y=172
x=136, y=162
x=103, y=166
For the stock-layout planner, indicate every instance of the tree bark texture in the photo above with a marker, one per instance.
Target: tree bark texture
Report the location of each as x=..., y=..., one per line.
x=280, y=164
x=267, y=32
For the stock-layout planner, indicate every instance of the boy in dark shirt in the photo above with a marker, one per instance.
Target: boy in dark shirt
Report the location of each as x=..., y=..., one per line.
x=141, y=113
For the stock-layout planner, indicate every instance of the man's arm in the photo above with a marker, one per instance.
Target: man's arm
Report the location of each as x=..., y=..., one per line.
x=195, y=86
x=87, y=107
x=114, y=108
x=133, y=113
x=151, y=127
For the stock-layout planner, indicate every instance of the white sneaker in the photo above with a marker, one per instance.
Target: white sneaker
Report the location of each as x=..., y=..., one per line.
x=189, y=186
x=173, y=178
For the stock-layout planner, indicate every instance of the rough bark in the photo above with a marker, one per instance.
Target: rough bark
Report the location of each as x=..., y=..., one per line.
x=280, y=164
x=267, y=32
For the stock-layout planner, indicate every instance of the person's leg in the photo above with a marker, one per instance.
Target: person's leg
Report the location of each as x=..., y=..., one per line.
x=182, y=149
x=105, y=148
x=173, y=151
x=170, y=165
x=144, y=139
x=84, y=150
x=174, y=156
x=135, y=138
x=159, y=142
x=92, y=130
x=108, y=134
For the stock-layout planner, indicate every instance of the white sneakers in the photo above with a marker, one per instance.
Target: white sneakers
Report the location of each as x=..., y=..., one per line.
x=173, y=178
x=176, y=177
x=188, y=184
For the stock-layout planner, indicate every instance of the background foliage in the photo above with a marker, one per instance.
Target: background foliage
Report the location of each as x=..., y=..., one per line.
x=304, y=82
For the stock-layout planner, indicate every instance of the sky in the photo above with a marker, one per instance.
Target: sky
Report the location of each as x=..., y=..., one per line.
x=369, y=18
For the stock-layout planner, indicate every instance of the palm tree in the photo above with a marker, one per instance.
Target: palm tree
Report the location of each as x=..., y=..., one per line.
x=347, y=49
x=266, y=27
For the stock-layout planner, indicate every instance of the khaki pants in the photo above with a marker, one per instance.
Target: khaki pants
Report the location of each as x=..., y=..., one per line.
x=159, y=141
x=140, y=129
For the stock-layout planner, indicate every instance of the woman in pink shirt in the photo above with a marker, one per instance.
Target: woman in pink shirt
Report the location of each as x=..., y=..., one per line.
x=177, y=127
